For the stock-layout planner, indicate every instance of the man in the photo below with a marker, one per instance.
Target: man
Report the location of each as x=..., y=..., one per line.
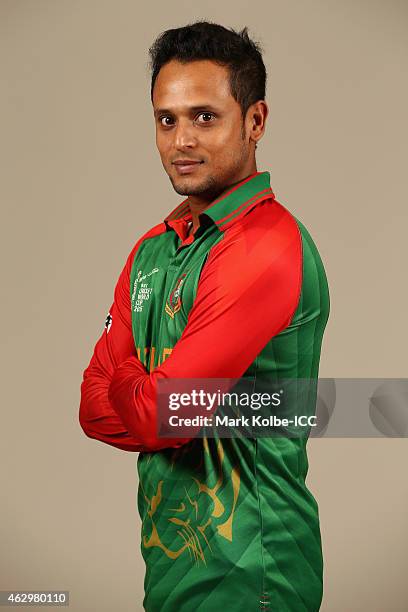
x=229, y=285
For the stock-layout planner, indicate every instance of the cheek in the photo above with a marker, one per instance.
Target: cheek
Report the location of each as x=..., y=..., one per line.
x=227, y=146
x=228, y=139
x=162, y=144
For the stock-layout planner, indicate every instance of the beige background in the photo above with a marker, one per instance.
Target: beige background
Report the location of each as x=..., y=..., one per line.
x=81, y=180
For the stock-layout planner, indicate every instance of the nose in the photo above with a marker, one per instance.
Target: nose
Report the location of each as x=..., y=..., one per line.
x=184, y=137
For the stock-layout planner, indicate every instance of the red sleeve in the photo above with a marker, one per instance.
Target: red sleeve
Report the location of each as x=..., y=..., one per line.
x=248, y=291
x=96, y=416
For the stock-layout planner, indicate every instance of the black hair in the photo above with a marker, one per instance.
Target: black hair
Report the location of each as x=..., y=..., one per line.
x=204, y=40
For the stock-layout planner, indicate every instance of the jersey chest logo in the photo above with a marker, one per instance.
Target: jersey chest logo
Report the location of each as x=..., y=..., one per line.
x=174, y=303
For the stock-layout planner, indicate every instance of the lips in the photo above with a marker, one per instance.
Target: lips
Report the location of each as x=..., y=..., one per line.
x=186, y=162
x=186, y=166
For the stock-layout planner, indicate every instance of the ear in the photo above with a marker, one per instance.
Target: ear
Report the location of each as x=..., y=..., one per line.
x=256, y=117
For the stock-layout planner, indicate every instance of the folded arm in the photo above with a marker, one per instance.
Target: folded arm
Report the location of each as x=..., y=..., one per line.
x=97, y=417
x=247, y=293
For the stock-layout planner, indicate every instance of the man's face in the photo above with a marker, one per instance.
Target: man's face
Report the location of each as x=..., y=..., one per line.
x=200, y=133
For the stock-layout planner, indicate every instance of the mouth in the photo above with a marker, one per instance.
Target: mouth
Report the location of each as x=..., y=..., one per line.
x=186, y=166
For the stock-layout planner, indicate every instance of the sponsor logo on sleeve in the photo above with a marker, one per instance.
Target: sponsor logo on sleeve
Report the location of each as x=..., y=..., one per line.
x=108, y=322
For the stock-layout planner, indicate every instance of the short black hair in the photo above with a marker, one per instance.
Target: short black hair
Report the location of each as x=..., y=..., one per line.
x=204, y=40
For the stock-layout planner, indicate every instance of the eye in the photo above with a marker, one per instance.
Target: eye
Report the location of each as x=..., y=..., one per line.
x=166, y=120
x=206, y=117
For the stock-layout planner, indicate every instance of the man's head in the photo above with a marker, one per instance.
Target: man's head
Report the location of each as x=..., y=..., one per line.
x=207, y=90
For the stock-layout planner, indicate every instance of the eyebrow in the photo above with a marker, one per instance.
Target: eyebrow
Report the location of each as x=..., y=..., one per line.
x=192, y=109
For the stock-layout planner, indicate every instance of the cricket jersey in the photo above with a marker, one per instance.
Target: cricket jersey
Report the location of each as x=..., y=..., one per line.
x=227, y=523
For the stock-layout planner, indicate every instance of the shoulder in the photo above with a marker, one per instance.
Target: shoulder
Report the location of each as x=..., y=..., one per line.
x=269, y=242
x=272, y=230
x=259, y=258
x=268, y=235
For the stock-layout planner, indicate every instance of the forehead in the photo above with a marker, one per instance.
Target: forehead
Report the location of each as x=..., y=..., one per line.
x=197, y=82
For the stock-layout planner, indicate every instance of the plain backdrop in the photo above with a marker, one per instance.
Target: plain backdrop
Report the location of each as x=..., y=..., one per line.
x=81, y=180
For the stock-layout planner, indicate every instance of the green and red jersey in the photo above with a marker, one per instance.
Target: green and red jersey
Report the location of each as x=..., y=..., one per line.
x=226, y=522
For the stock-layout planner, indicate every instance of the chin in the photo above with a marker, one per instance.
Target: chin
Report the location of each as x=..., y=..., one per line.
x=191, y=186
x=187, y=186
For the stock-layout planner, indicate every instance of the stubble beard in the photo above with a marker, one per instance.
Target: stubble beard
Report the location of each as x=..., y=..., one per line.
x=211, y=186
x=206, y=188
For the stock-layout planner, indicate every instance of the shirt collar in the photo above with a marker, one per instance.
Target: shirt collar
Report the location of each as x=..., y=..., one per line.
x=231, y=205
